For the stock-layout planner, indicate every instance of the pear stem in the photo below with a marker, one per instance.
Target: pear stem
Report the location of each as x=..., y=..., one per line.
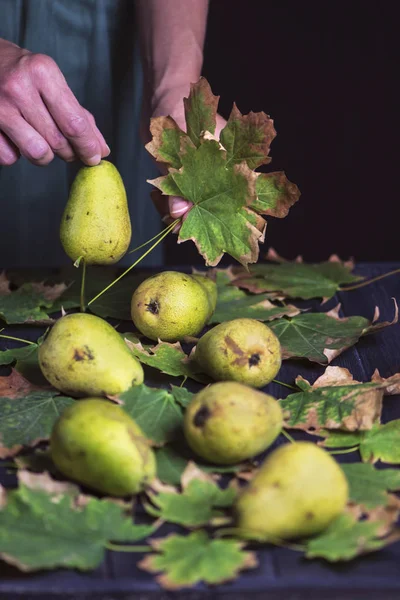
x=368, y=281
x=291, y=387
x=346, y=451
x=122, y=548
x=165, y=233
x=288, y=436
x=83, y=285
x=11, y=337
x=159, y=234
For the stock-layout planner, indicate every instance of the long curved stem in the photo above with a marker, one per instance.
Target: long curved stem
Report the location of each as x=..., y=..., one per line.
x=165, y=233
x=159, y=234
x=346, y=451
x=368, y=281
x=291, y=387
x=83, y=286
x=11, y=337
x=288, y=436
x=122, y=548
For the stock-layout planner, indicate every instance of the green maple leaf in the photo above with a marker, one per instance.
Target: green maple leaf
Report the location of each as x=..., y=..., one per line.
x=319, y=337
x=43, y=531
x=382, y=442
x=218, y=178
x=167, y=358
x=22, y=353
x=25, y=421
x=167, y=140
x=369, y=486
x=219, y=220
x=248, y=138
x=155, y=410
x=298, y=280
x=182, y=395
x=345, y=539
x=233, y=303
x=198, y=504
x=173, y=460
x=187, y=560
x=200, y=110
x=335, y=401
x=25, y=305
x=275, y=194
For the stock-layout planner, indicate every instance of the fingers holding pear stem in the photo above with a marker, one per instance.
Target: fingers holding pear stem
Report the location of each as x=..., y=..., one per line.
x=164, y=234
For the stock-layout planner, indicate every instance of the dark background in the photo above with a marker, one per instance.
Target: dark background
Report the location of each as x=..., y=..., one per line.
x=327, y=73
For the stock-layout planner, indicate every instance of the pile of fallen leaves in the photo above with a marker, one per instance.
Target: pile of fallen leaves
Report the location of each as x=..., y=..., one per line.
x=47, y=522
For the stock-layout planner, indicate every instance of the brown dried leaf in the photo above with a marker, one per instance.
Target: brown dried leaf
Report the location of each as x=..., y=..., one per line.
x=49, y=292
x=44, y=482
x=192, y=472
x=16, y=386
x=392, y=383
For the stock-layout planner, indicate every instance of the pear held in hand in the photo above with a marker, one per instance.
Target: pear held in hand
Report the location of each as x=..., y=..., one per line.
x=96, y=224
x=229, y=422
x=83, y=355
x=96, y=443
x=170, y=306
x=243, y=350
x=298, y=491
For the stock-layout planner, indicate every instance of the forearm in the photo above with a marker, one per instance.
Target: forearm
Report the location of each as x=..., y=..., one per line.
x=172, y=36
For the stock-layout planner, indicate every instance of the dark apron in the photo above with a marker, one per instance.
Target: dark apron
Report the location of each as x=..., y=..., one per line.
x=94, y=42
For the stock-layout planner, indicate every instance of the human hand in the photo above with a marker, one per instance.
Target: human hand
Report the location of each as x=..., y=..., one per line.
x=173, y=207
x=39, y=115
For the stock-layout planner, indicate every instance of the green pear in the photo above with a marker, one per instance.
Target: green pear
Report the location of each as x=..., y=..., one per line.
x=83, y=355
x=96, y=224
x=298, y=491
x=229, y=422
x=243, y=350
x=212, y=291
x=98, y=444
x=170, y=306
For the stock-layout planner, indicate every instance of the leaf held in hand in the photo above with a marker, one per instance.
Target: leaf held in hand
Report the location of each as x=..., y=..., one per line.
x=248, y=138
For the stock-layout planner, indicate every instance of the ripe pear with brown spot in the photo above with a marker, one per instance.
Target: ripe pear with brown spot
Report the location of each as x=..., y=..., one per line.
x=243, y=350
x=96, y=443
x=228, y=422
x=96, y=224
x=298, y=491
x=212, y=291
x=170, y=306
x=83, y=355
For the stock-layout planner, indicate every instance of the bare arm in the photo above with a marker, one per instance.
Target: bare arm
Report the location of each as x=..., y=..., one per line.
x=172, y=36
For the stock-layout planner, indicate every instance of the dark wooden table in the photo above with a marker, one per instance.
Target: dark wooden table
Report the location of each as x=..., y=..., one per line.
x=282, y=574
